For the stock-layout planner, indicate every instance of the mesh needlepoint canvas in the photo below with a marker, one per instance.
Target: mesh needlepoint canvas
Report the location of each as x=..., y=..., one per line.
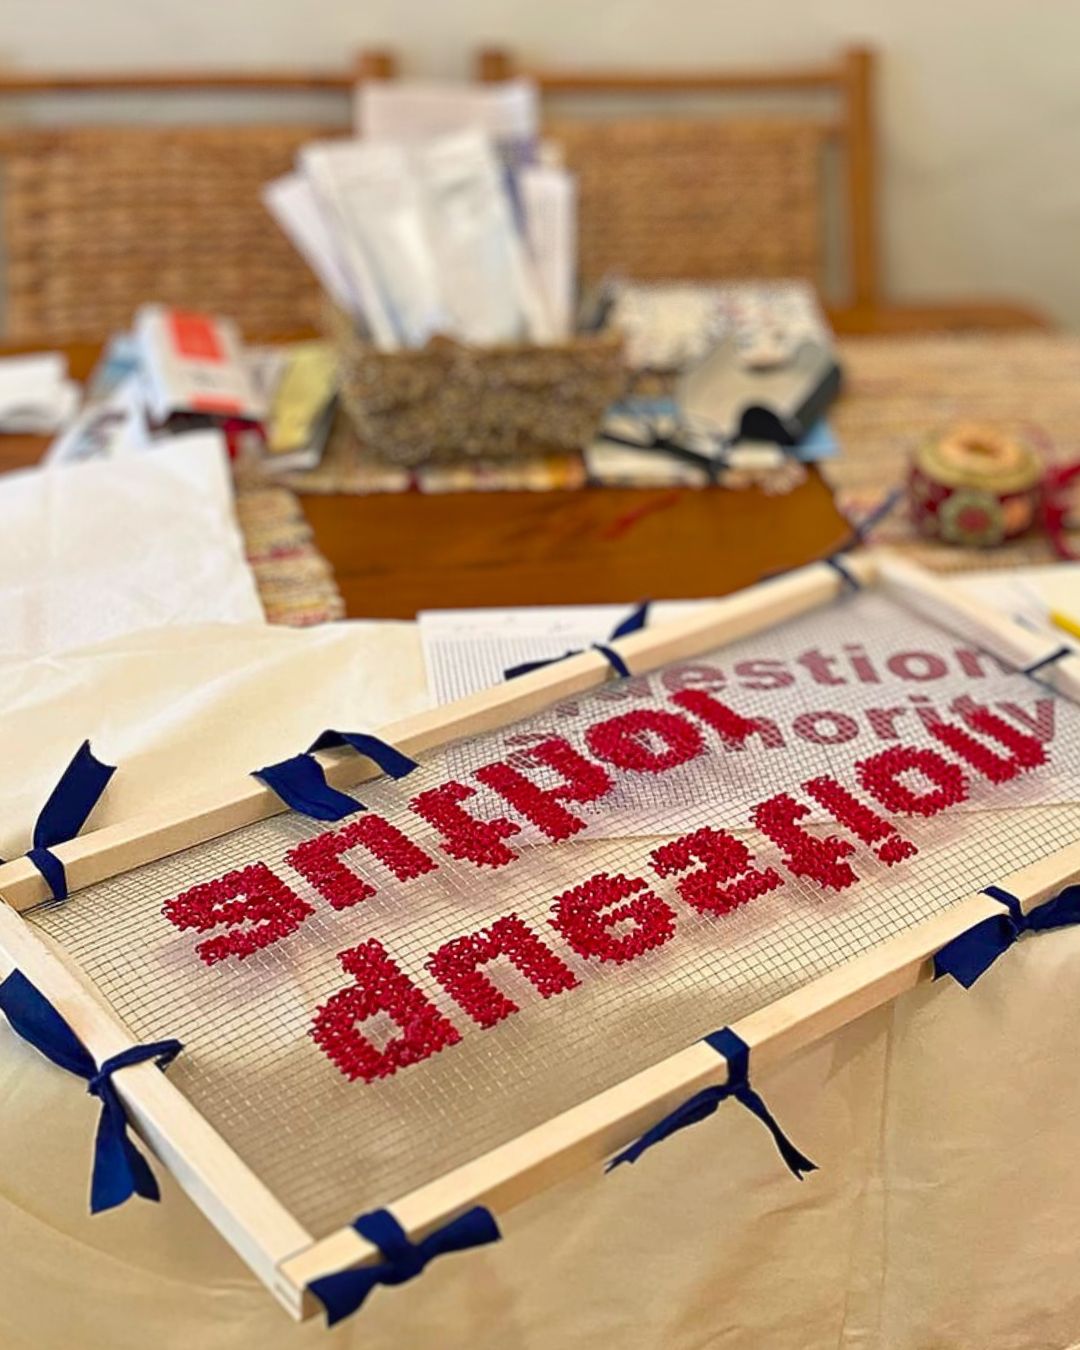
x=541, y=911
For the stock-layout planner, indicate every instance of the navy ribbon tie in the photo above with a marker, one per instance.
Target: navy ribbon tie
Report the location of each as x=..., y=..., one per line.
x=971, y=955
x=388, y=757
x=527, y=667
x=120, y=1170
x=609, y=654
x=614, y=660
x=861, y=528
x=345, y=1291
x=851, y=582
x=301, y=783
x=704, y=1103
x=858, y=533
x=65, y=813
x=633, y=622
x=1058, y=654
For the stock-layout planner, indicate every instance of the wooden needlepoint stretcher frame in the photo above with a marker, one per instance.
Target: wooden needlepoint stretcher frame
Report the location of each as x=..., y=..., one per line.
x=283, y=1254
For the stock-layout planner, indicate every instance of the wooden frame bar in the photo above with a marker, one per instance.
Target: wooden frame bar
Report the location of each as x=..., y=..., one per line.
x=1018, y=645
x=370, y=64
x=494, y=64
x=279, y=1250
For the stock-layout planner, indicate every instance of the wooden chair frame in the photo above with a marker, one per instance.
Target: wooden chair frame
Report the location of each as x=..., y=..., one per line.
x=275, y=1245
x=851, y=78
x=370, y=64
x=852, y=130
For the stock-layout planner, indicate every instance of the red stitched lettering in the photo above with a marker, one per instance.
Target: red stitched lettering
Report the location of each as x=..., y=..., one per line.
x=379, y=986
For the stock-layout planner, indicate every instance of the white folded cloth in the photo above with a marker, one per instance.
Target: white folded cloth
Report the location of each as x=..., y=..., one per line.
x=91, y=551
x=185, y=708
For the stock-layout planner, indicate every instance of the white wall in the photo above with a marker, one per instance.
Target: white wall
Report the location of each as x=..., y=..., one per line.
x=979, y=100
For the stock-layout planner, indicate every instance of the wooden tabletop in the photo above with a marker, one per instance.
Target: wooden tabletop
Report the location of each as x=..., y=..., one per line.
x=395, y=554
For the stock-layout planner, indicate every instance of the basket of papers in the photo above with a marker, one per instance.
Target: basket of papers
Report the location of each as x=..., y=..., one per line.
x=448, y=402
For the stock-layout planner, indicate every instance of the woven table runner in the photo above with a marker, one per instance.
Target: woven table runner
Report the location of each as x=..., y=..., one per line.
x=296, y=583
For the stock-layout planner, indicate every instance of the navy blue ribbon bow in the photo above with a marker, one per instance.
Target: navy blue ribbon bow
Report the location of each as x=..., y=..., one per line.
x=633, y=622
x=344, y=1292
x=301, y=783
x=703, y=1104
x=120, y=1170
x=971, y=954
x=65, y=813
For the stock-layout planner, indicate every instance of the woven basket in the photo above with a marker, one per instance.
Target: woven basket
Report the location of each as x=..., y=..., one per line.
x=447, y=403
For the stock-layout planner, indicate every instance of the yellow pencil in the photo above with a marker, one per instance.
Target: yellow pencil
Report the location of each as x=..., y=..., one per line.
x=1065, y=623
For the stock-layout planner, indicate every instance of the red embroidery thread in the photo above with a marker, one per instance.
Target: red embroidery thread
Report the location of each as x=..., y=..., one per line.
x=318, y=860
x=713, y=889
x=464, y=836
x=584, y=782
x=579, y=917
x=880, y=775
x=805, y=855
x=380, y=987
x=856, y=816
x=456, y=967
x=252, y=895
x=731, y=726
x=624, y=740
x=1026, y=752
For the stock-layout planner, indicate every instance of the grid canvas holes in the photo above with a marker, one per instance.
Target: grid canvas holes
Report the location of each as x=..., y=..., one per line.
x=329, y=1147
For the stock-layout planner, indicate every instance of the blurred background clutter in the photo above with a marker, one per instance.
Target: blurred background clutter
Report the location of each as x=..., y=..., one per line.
x=619, y=250
x=494, y=309
x=353, y=355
